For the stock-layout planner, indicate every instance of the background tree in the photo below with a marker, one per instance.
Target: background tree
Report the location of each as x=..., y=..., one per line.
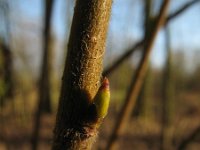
x=44, y=102
x=144, y=96
x=6, y=65
x=168, y=96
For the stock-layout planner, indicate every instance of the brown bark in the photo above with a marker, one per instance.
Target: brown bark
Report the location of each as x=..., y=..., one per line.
x=76, y=124
x=138, y=80
x=44, y=100
x=140, y=43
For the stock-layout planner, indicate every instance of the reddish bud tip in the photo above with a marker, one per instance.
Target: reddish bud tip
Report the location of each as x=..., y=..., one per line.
x=105, y=83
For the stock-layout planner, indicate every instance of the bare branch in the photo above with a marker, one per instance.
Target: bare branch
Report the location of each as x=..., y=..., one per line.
x=140, y=43
x=126, y=55
x=183, y=145
x=181, y=10
x=138, y=80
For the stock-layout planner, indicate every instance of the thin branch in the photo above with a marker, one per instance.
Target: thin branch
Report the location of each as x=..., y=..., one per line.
x=140, y=43
x=126, y=55
x=181, y=10
x=183, y=145
x=139, y=77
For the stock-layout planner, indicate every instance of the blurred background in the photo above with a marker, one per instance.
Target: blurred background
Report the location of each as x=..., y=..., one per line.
x=33, y=45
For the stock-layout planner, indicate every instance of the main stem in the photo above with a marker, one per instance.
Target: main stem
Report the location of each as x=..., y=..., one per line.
x=76, y=123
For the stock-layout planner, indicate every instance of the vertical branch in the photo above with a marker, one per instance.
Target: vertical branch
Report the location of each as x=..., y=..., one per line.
x=46, y=69
x=44, y=83
x=148, y=17
x=147, y=29
x=146, y=108
x=139, y=77
x=76, y=124
x=6, y=54
x=168, y=96
x=6, y=70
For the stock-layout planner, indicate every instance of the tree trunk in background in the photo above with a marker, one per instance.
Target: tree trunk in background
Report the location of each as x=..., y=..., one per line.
x=168, y=96
x=146, y=107
x=147, y=28
x=148, y=17
x=46, y=69
x=76, y=124
x=6, y=62
x=136, y=83
x=6, y=72
x=44, y=98
x=143, y=106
